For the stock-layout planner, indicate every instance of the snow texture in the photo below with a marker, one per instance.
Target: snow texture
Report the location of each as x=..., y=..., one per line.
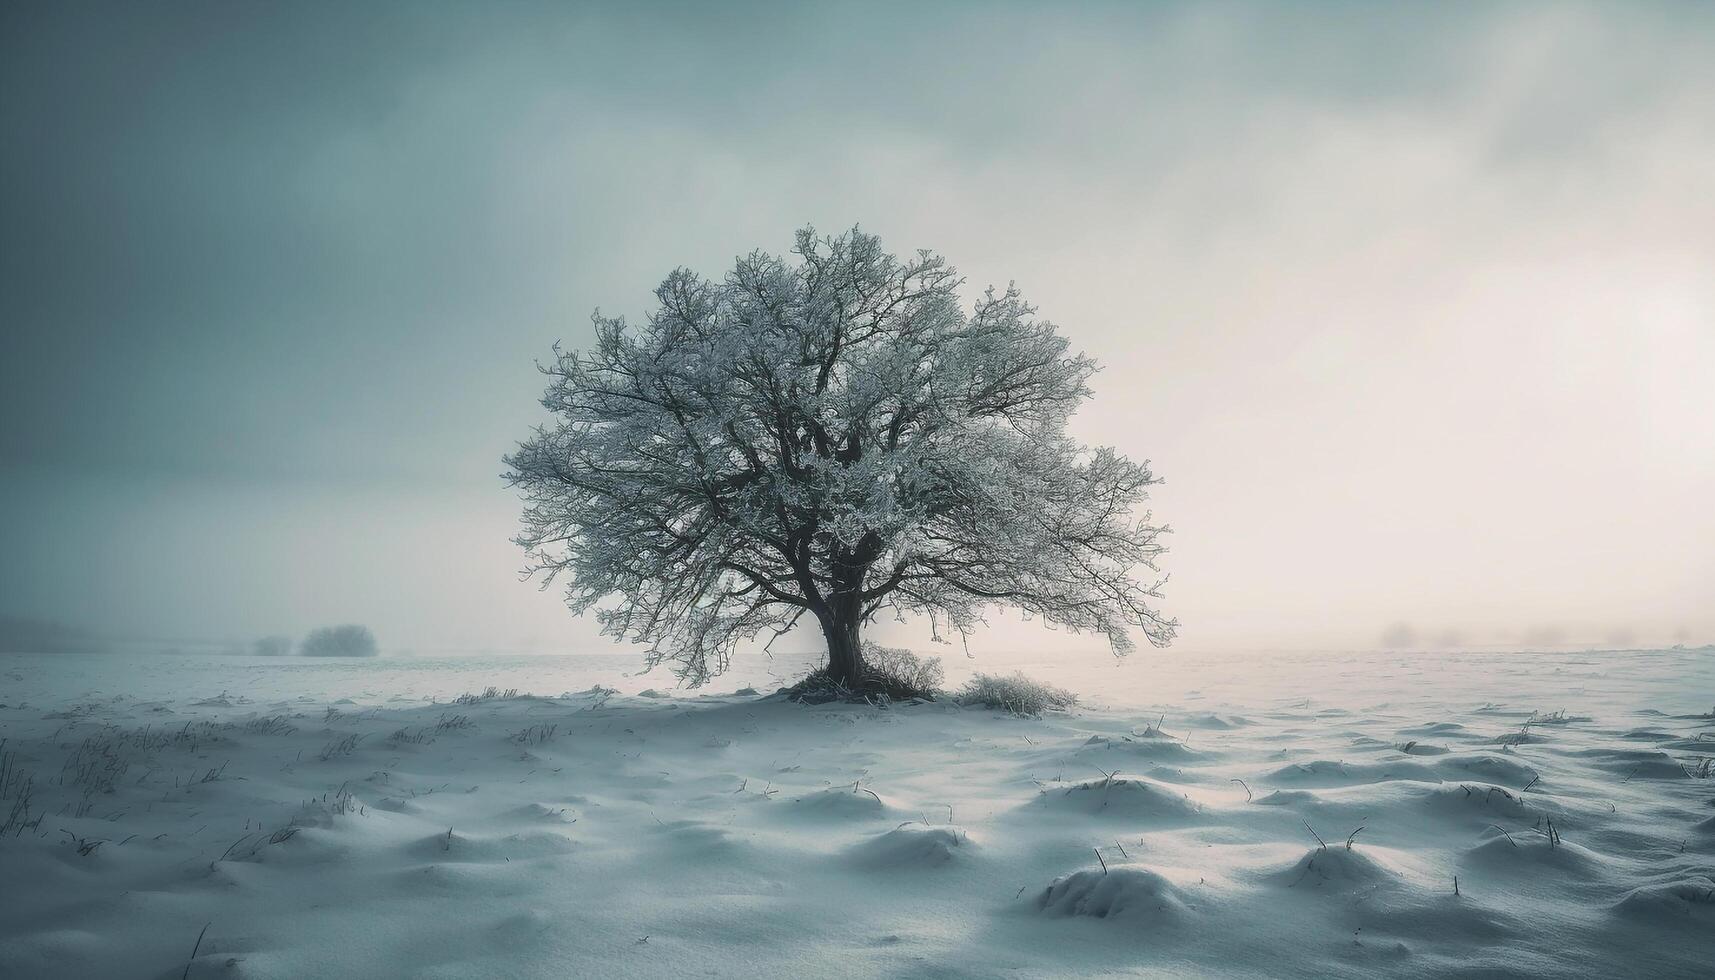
x=351, y=818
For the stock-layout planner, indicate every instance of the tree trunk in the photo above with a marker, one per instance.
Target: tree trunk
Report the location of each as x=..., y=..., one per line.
x=845, y=647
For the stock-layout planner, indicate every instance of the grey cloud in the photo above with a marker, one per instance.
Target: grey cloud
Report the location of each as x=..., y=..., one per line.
x=291, y=261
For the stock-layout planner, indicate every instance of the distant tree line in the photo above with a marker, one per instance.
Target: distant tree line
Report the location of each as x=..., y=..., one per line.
x=350, y=640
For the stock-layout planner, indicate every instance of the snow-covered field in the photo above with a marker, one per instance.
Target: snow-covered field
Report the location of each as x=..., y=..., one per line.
x=350, y=819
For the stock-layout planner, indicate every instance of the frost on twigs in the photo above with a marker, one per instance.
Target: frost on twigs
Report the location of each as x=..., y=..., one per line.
x=889, y=674
x=835, y=435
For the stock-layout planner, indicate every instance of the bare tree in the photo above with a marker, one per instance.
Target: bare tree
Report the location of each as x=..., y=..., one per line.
x=832, y=436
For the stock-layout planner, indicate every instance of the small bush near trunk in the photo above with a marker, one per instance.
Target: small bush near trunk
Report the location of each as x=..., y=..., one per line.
x=890, y=674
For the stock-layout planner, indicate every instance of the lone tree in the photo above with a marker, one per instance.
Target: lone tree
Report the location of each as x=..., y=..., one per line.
x=832, y=436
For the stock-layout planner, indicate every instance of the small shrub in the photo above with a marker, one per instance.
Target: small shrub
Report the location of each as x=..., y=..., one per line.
x=1017, y=694
x=903, y=674
x=819, y=687
x=889, y=675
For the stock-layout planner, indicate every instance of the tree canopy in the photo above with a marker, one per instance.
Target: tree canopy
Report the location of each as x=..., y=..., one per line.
x=834, y=434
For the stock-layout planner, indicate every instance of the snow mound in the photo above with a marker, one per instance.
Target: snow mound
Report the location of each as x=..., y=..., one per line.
x=465, y=880
x=1636, y=763
x=1161, y=772
x=1494, y=768
x=1527, y=848
x=224, y=965
x=1646, y=735
x=913, y=845
x=1521, y=737
x=1442, y=917
x=1434, y=728
x=699, y=837
x=1141, y=748
x=527, y=926
x=1209, y=719
x=1286, y=797
x=293, y=847
x=1688, y=901
x=1336, y=867
x=1328, y=772
x=846, y=803
x=546, y=813
x=1702, y=745
x=450, y=845
x=1125, y=796
x=398, y=804
x=1482, y=800
x=1136, y=894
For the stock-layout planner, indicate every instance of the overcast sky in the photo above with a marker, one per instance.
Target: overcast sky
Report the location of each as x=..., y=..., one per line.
x=1412, y=306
